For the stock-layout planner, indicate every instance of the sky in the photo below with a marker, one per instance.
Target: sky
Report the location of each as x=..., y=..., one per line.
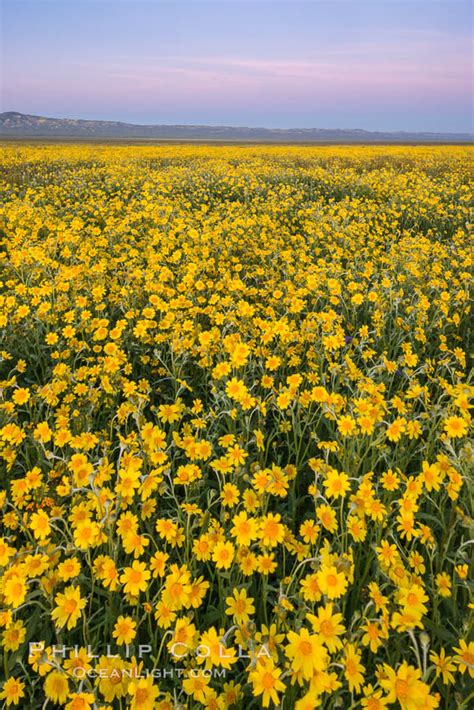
x=372, y=64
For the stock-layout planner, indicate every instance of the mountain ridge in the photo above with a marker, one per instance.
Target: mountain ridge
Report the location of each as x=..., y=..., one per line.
x=14, y=124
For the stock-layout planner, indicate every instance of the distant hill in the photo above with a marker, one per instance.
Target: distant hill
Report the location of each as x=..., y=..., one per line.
x=20, y=125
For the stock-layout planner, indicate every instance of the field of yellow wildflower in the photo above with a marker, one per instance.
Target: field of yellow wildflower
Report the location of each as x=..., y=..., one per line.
x=234, y=427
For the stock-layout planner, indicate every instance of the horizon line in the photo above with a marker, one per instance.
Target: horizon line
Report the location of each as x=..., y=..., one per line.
x=236, y=126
